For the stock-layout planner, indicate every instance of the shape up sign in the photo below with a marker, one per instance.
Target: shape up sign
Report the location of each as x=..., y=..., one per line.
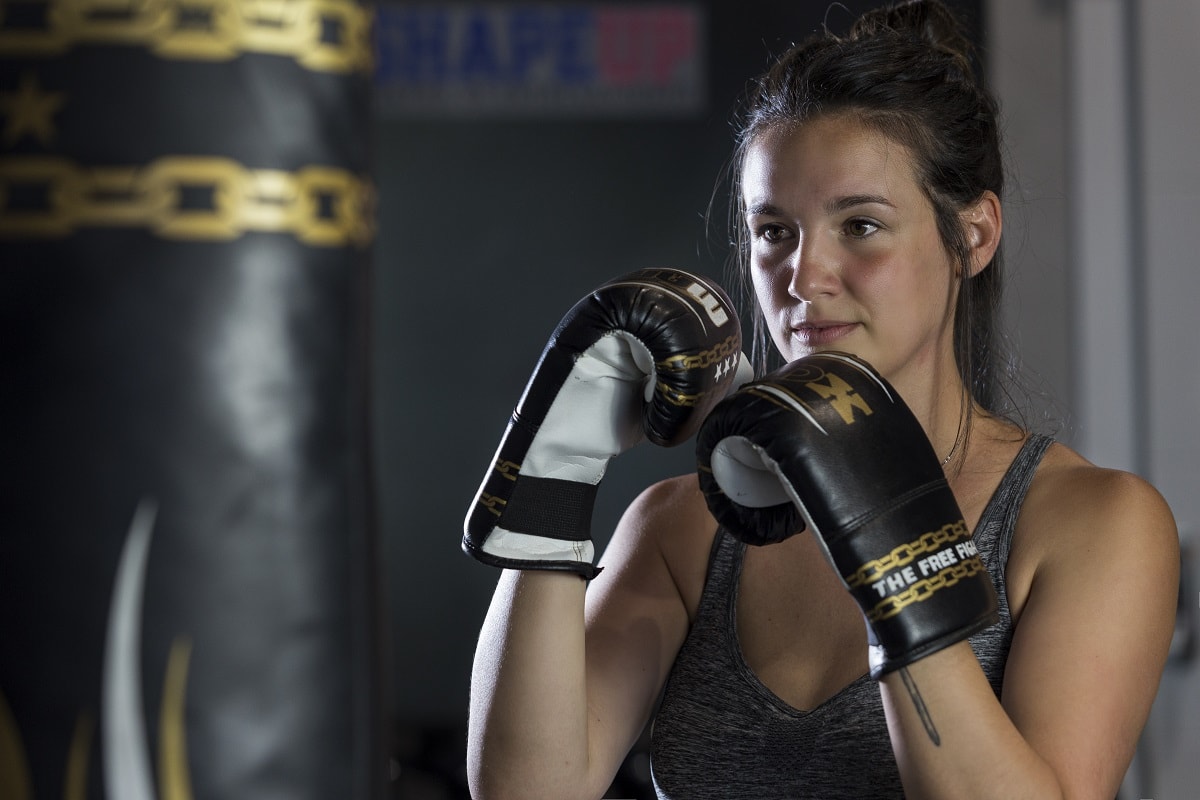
x=505, y=59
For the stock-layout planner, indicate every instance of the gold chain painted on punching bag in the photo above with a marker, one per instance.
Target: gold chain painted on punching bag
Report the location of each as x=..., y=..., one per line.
x=322, y=35
x=196, y=198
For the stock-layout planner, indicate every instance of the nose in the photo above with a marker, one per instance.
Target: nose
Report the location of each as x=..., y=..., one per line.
x=814, y=270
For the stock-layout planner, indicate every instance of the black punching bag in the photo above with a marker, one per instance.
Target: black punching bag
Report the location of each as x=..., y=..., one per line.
x=188, y=591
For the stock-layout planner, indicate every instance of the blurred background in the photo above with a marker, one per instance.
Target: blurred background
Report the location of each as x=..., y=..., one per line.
x=531, y=207
x=490, y=164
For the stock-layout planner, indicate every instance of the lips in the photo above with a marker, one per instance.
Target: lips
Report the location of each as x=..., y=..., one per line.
x=815, y=334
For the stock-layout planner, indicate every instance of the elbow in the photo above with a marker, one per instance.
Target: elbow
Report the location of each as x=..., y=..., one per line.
x=488, y=790
x=488, y=785
x=485, y=784
x=510, y=780
x=491, y=788
x=496, y=779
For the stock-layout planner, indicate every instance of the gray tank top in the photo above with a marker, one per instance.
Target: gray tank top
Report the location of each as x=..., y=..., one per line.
x=719, y=733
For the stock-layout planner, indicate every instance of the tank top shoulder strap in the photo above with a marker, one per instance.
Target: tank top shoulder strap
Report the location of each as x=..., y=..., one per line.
x=994, y=532
x=724, y=565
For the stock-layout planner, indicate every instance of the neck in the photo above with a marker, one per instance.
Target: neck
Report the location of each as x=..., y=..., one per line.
x=945, y=410
x=960, y=436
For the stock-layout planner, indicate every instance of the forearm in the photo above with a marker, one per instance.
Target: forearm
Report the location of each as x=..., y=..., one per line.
x=528, y=715
x=953, y=739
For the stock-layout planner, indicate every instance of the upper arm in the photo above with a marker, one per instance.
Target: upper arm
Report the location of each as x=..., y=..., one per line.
x=1092, y=638
x=636, y=614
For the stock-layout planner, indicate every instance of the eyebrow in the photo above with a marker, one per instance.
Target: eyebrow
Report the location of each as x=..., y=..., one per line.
x=833, y=206
x=763, y=208
x=854, y=200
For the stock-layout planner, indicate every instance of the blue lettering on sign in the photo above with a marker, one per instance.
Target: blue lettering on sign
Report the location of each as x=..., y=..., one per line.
x=527, y=41
x=479, y=59
x=474, y=57
x=412, y=47
x=573, y=28
x=424, y=45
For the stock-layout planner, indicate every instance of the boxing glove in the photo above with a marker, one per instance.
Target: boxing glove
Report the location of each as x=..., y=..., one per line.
x=644, y=356
x=826, y=444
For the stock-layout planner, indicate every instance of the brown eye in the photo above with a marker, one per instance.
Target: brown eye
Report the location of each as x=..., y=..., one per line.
x=771, y=233
x=859, y=228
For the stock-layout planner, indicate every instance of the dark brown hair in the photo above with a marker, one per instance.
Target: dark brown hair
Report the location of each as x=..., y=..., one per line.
x=907, y=71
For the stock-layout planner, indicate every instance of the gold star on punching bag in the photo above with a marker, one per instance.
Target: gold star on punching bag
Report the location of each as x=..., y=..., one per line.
x=29, y=111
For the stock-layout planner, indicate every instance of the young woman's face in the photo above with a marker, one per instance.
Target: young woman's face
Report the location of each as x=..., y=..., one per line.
x=845, y=251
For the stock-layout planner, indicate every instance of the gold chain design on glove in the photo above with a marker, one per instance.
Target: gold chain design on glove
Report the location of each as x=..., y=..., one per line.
x=924, y=589
x=705, y=358
x=905, y=553
x=728, y=351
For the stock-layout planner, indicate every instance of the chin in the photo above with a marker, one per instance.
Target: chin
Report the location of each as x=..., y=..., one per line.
x=801, y=352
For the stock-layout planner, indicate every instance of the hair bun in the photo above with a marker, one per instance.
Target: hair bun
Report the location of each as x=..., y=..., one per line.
x=928, y=20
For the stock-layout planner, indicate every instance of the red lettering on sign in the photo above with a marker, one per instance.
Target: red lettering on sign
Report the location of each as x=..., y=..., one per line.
x=643, y=46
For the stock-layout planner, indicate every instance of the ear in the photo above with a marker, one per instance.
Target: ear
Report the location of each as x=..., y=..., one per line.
x=983, y=222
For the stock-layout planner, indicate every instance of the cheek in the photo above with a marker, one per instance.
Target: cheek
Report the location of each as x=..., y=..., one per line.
x=772, y=302
x=937, y=280
x=920, y=276
x=770, y=285
x=762, y=287
x=939, y=265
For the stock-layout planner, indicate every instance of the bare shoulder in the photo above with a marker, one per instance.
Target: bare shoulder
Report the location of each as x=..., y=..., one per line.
x=669, y=521
x=1092, y=584
x=1077, y=509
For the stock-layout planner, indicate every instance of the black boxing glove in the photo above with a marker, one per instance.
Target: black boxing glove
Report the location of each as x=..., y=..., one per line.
x=646, y=355
x=826, y=444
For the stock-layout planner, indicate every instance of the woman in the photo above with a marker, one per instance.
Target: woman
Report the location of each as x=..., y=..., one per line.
x=869, y=182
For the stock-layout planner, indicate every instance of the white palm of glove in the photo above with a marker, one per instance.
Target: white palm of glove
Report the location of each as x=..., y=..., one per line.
x=597, y=413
